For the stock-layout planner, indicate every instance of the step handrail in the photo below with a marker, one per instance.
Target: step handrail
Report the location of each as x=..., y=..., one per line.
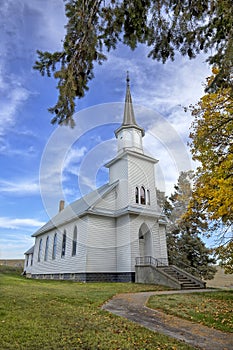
x=186, y=267
x=195, y=278
x=150, y=260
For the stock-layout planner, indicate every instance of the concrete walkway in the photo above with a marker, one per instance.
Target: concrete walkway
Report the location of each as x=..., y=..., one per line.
x=132, y=306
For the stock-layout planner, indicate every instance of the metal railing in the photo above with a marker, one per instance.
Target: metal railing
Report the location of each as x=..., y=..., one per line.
x=150, y=260
x=190, y=269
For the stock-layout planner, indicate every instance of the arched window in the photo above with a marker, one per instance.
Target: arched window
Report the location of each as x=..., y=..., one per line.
x=39, y=251
x=54, y=246
x=148, y=197
x=46, y=249
x=74, y=244
x=63, y=247
x=142, y=195
x=136, y=195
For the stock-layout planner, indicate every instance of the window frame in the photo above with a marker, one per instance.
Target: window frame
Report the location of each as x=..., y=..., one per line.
x=46, y=249
x=74, y=241
x=147, y=197
x=142, y=195
x=137, y=195
x=63, y=246
x=40, y=250
x=54, y=253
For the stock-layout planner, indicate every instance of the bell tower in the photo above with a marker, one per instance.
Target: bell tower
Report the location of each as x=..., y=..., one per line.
x=132, y=167
x=129, y=134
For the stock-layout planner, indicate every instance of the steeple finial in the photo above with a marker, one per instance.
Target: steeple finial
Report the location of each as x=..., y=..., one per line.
x=127, y=78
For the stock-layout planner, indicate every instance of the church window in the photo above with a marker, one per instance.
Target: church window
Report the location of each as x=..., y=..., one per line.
x=143, y=195
x=74, y=244
x=46, y=249
x=136, y=195
x=63, y=248
x=40, y=249
x=148, y=197
x=32, y=260
x=54, y=246
x=27, y=260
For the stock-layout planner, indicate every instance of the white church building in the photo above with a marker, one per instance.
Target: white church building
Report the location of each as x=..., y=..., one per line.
x=99, y=236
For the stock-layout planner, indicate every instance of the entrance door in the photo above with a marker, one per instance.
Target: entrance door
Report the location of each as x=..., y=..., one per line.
x=145, y=241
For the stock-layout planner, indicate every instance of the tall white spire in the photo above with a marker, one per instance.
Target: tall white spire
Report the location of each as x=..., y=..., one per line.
x=129, y=134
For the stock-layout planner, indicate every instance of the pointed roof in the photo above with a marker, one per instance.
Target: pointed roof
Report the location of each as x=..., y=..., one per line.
x=30, y=251
x=129, y=120
x=80, y=207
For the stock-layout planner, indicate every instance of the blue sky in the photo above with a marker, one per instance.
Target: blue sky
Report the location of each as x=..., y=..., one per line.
x=40, y=163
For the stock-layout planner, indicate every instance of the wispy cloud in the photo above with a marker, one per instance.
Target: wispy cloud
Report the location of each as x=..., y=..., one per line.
x=85, y=181
x=26, y=187
x=73, y=157
x=13, y=246
x=25, y=27
x=13, y=94
x=16, y=223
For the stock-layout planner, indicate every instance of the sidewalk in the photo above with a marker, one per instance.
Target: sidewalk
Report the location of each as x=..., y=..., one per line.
x=132, y=306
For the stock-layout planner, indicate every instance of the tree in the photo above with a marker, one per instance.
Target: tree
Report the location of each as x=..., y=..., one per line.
x=212, y=146
x=172, y=230
x=185, y=247
x=225, y=254
x=166, y=26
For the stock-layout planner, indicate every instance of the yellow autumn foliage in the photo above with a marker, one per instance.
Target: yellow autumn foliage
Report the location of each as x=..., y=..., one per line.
x=212, y=146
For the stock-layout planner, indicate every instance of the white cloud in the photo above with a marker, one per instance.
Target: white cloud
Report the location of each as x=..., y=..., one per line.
x=12, y=97
x=17, y=187
x=52, y=19
x=13, y=246
x=16, y=223
x=10, y=151
x=73, y=157
x=25, y=26
x=88, y=182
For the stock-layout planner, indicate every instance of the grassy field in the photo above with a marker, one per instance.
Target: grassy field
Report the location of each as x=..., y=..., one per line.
x=57, y=315
x=43, y=315
x=212, y=309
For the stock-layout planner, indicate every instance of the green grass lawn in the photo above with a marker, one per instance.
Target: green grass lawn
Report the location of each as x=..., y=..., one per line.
x=40, y=315
x=214, y=309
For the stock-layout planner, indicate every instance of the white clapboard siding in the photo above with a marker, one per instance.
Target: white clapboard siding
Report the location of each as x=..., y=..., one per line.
x=123, y=244
x=108, y=202
x=68, y=263
x=163, y=243
x=118, y=170
x=160, y=247
x=141, y=173
x=28, y=263
x=101, y=244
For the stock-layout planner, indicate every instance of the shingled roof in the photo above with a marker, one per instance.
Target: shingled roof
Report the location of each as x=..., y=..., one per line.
x=78, y=208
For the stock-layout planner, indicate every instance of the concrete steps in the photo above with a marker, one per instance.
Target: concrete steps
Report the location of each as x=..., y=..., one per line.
x=186, y=280
x=156, y=271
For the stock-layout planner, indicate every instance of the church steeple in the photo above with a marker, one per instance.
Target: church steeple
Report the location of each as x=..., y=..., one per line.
x=129, y=118
x=129, y=134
